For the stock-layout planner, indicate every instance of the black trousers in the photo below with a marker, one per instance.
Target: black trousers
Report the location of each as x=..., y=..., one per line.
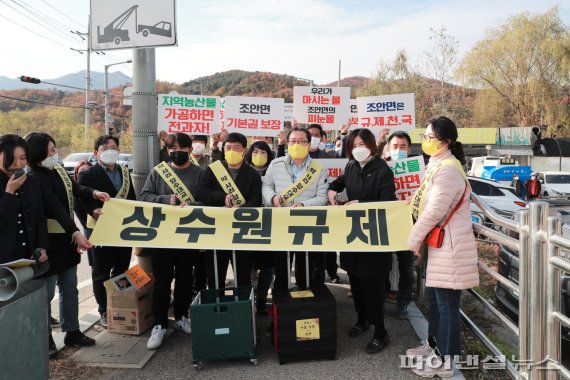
x=406, y=261
x=169, y=264
x=331, y=264
x=200, y=273
x=316, y=269
x=368, y=296
x=108, y=262
x=244, y=263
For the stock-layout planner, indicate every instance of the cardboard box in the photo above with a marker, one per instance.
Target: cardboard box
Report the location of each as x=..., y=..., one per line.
x=130, y=312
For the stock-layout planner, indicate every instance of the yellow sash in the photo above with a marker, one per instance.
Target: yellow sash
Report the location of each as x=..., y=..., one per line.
x=418, y=199
x=293, y=191
x=121, y=194
x=227, y=183
x=174, y=182
x=54, y=227
x=194, y=160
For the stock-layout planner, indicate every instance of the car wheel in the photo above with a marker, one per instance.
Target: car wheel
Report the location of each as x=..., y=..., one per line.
x=145, y=32
x=117, y=40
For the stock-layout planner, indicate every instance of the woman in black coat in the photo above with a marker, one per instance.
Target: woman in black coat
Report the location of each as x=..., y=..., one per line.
x=259, y=156
x=23, y=225
x=65, y=239
x=366, y=178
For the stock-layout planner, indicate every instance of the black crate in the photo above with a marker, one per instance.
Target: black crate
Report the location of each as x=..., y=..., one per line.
x=293, y=343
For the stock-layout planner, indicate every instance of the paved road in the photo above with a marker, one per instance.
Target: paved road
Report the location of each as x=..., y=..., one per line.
x=174, y=359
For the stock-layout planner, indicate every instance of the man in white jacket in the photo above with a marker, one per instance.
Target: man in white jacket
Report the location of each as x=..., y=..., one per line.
x=296, y=170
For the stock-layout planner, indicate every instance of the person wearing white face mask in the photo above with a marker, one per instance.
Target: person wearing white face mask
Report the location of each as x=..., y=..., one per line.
x=198, y=156
x=317, y=145
x=65, y=239
x=106, y=175
x=398, y=147
x=366, y=178
x=317, y=150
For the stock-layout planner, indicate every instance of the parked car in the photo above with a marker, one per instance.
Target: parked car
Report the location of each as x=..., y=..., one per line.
x=126, y=159
x=73, y=159
x=500, y=197
x=555, y=184
x=509, y=268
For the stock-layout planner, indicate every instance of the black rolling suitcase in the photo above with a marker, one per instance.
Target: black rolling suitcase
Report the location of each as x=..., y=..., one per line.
x=304, y=321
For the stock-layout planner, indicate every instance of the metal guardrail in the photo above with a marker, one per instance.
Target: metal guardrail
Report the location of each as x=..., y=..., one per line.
x=540, y=267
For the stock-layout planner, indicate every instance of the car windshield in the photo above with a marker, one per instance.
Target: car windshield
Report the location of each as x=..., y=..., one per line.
x=76, y=157
x=558, y=178
x=124, y=157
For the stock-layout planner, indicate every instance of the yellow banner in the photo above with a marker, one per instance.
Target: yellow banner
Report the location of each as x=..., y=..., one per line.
x=465, y=135
x=372, y=227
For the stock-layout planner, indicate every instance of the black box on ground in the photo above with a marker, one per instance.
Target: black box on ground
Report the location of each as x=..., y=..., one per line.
x=304, y=324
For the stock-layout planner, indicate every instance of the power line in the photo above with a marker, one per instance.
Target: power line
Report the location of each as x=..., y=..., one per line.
x=61, y=105
x=49, y=28
x=29, y=30
x=42, y=103
x=44, y=17
x=63, y=14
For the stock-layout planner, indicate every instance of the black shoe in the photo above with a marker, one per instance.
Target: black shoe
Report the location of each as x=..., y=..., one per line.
x=53, y=322
x=375, y=345
x=335, y=279
x=357, y=330
x=52, y=349
x=77, y=338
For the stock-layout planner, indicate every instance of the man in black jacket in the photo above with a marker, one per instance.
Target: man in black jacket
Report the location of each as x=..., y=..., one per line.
x=248, y=182
x=399, y=144
x=106, y=175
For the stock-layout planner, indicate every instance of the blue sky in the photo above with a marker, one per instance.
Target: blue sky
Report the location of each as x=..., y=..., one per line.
x=305, y=38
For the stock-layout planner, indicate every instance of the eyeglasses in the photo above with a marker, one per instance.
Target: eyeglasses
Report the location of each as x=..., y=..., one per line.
x=302, y=142
x=427, y=138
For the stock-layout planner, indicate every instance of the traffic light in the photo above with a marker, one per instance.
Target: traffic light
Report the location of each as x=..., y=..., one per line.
x=30, y=80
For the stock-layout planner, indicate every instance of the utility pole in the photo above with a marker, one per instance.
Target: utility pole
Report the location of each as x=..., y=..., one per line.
x=146, y=144
x=107, y=129
x=87, y=77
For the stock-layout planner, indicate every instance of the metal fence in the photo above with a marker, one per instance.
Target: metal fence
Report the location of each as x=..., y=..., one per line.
x=540, y=266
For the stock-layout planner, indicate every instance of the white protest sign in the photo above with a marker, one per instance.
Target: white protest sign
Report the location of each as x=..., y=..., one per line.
x=288, y=112
x=191, y=114
x=254, y=116
x=334, y=166
x=353, y=114
x=408, y=175
x=396, y=112
x=327, y=106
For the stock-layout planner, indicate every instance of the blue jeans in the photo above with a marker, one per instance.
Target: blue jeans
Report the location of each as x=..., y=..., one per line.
x=68, y=298
x=445, y=320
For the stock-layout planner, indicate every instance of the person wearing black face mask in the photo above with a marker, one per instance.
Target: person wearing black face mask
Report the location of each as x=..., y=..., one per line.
x=169, y=264
x=108, y=176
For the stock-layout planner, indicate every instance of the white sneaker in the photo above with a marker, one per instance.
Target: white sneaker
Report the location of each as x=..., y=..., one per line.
x=422, y=351
x=433, y=366
x=183, y=324
x=156, y=337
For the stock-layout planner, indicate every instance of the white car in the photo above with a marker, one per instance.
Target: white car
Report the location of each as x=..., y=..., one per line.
x=73, y=159
x=555, y=184
x=501, y=198
x=126, y=159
